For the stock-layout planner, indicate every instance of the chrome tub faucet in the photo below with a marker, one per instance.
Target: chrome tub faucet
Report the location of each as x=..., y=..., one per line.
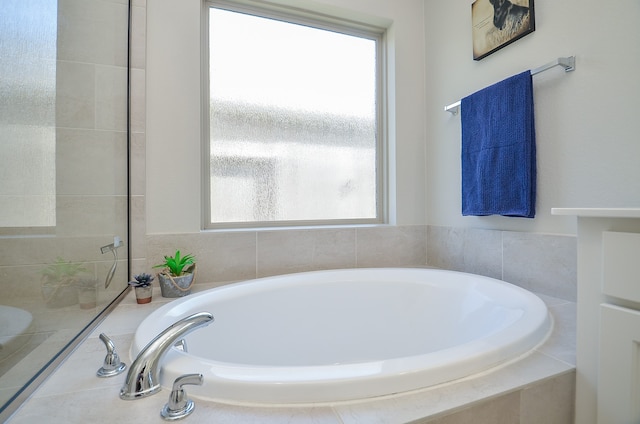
x=143, y=378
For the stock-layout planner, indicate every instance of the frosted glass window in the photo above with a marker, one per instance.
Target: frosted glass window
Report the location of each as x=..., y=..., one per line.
x=293, y=129
x=28, y=35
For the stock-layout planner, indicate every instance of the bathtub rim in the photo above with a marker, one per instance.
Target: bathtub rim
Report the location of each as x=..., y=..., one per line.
x=340, y=389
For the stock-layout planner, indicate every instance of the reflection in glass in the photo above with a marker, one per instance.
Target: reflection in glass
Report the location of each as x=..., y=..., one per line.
x=63, y=167
x=28, y=36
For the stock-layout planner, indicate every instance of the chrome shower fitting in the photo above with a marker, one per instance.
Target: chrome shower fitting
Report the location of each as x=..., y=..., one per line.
x=113, y=248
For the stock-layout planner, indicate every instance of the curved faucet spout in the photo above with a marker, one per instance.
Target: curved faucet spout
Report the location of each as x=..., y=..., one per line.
x=143, y=378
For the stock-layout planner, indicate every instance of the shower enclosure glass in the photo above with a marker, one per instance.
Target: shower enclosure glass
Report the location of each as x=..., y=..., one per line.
x=64, y=173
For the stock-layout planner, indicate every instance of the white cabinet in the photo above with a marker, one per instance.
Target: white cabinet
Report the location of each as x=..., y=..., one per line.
x=621, y=265
x=608, y=316
x=619, y=371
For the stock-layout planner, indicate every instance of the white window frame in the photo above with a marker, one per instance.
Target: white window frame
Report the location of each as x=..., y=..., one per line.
x=315, y=20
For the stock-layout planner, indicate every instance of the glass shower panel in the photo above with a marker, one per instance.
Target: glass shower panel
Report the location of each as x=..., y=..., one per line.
x=63, y=167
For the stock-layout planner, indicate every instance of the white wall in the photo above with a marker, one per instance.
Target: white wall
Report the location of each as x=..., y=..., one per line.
x=587, y=121
x=173, y=188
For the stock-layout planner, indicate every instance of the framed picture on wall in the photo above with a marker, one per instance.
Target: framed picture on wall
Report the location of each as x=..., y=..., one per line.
x=498, y=23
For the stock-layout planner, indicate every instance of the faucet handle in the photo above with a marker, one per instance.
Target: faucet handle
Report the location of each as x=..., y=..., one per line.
x=179, y=406
x=112, y=364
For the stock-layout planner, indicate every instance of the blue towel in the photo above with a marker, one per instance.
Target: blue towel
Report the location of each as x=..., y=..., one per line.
x=499, y=149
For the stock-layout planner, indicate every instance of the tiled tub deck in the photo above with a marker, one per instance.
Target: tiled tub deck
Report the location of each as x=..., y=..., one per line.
x=538, y=387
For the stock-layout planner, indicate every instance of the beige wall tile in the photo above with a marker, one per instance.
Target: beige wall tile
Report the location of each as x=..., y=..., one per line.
x=75, y=95
x=139, y=266
x=138, y=101
x=138, y=164
x=226, y=256
x=19, y=283
x=483, y=252
x=391, y=246
x=445, y=247
x=93, y=31
x=138, y=242
x=220, y=257
x=91, y=215
x=91, y=162
x=111, y=98
x=502, y=410
x=287, y=251
x=550, y=402
x=43, y=250
x=138, y=34
x=541, y=263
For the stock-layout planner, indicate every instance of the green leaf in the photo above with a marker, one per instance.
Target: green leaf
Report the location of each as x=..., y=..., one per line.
x=176, y=264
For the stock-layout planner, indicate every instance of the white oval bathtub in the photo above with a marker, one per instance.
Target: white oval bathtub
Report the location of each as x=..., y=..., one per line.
x=347, y=334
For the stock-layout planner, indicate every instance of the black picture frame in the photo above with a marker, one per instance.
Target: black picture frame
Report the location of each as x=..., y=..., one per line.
x=498, y=23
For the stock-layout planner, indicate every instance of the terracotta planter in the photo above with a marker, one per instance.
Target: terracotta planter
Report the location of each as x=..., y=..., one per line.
x=171, y=286
x=143, y=294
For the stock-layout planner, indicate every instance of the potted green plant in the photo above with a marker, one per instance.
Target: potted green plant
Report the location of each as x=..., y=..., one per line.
x=59, y=280
x=142, y=287
x=178, y=275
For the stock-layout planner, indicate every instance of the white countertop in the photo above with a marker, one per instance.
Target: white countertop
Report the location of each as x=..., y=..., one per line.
x=598, y=212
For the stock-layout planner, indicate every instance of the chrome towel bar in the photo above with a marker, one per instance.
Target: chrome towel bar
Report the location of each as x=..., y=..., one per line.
x=568, y=63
